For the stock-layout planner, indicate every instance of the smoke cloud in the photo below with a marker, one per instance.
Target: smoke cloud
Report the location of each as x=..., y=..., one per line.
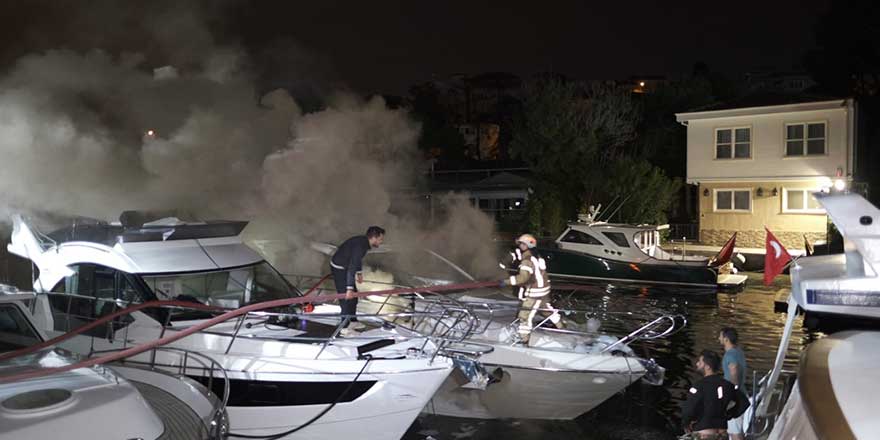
x=95, y=132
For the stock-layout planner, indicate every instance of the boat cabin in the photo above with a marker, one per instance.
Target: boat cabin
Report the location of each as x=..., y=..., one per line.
x=615, y=241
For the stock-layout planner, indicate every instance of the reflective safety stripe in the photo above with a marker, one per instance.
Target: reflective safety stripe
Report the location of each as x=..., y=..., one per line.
x=693, y=390
x=539, y=277
x=537, y=293
x=555, y=317
x=542, y=264
x=533, y=312
x=336, y=266
x=512, y=280
x=720, y=393
x=518, y=254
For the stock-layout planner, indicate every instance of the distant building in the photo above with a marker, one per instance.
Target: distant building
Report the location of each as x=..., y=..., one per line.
x=469, y=99
x=646, y=84
x=482, y=140
x=500, y=193
x=756, y=162
x=784, y=82
x=477, y=105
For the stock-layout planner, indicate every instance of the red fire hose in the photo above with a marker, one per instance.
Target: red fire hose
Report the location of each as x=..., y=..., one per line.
x=138, y=349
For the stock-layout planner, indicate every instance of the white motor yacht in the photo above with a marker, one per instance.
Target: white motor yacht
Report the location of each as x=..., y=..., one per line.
x=559, y=375
x=837, y=376
x=94, y=403
x=603, y=251
x=289, y=376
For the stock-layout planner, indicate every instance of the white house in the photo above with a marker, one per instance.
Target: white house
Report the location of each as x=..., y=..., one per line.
x=757, y=165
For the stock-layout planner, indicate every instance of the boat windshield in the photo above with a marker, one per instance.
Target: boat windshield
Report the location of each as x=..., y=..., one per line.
x=412, y=267
x=229, y=288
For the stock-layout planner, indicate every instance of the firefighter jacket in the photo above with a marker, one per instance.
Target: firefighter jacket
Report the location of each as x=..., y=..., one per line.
x=532, y=277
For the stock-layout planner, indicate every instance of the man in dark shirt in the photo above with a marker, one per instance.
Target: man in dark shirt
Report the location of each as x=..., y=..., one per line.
x=711, y=401
x=346, y=265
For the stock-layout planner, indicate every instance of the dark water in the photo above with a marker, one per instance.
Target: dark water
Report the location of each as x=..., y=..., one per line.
x=643, y=411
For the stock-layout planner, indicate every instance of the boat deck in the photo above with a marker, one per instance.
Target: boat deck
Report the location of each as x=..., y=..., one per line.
x=181, y=423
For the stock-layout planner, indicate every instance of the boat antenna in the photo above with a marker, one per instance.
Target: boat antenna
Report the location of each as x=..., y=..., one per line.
x=599, y=211
x=620, y=205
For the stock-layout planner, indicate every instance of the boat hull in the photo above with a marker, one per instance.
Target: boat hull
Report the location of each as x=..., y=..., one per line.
x=538, y=384
x=525, y=393
x=577, y=266
x=384, y=412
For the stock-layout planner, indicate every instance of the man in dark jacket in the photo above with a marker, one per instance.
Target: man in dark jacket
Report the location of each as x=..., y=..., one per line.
x=711, y=401
x=346, y=265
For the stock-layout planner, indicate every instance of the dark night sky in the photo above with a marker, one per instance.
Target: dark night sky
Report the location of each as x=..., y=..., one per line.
x=384, y=46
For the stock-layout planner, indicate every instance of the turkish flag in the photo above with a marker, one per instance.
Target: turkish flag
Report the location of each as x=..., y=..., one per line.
x=775, y=258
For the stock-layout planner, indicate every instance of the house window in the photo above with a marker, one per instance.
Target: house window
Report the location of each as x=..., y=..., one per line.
x=733, y=199
x=805, y=139
x=800, y=200
x=733, y=143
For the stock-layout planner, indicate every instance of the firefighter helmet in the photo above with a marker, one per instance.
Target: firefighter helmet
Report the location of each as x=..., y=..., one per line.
x=528, y=240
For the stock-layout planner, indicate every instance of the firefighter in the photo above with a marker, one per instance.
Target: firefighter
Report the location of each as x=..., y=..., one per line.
x=534, y=285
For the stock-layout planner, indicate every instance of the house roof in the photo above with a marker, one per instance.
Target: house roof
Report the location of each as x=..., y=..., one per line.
x=767, y=99
x=501, y=181
x=763, y=103
x=504, y=179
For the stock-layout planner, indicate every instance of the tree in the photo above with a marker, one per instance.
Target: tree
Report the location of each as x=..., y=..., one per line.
x=643, y=192
x=581, y=143
x=663, y=140
x=569, y=134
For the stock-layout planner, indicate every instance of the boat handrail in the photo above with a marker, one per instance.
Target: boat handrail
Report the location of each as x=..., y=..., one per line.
x=216, y=428
x=512, y=307
x=226, y=315
x=647, y=332
x=660, y=327
x=442, y=334
x=762, y=391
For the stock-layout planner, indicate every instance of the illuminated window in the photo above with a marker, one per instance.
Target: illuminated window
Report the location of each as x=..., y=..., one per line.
x=800, y=200
x=733, y=143
x=805, y=139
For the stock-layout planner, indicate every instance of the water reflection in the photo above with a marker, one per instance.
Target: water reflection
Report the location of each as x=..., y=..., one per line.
x=644, y=411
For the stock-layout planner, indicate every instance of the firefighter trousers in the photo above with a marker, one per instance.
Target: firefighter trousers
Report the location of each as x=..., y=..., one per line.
x=530, y=307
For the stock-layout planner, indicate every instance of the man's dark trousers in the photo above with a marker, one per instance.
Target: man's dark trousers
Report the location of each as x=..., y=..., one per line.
x=349, y=306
